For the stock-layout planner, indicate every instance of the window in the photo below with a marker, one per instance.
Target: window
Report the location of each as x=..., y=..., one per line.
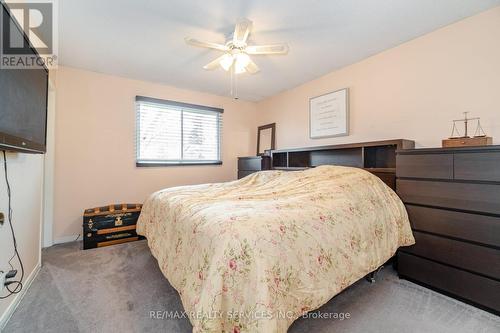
x=173, y=133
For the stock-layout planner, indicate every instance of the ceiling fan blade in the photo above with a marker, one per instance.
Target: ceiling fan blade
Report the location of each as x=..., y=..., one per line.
x=199, y=43
x=241, y=31
x=214, y=64
x=252, y=67
x=267, y=49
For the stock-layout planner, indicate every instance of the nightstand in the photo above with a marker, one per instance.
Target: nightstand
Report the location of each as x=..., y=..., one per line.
x=250, y=164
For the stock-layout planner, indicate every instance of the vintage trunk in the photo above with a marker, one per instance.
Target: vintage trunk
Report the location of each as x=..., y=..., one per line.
x=109, y=225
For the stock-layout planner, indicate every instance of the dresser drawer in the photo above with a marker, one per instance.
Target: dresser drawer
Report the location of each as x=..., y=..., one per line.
x=478, y=166
x=475, y=258
x=475, y=288
x=464, y=196
x=253, y=163
x=434, y=166
x=245, y=173
x=477, y=228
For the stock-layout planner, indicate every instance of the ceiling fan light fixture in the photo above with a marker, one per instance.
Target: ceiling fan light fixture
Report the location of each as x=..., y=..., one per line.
x=241, y=62
x=227, y=61
x=239, y=70
x=242, y=59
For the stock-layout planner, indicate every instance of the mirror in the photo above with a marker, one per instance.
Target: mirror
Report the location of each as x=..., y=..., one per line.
x=266, y=138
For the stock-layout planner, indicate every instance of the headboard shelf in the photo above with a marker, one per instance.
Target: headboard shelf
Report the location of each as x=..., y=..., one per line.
x=378, y=157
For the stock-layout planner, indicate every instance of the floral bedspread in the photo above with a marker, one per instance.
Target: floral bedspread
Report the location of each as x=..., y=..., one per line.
x=254, y=254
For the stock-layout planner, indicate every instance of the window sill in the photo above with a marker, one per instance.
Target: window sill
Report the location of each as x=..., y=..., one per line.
x=173, y=164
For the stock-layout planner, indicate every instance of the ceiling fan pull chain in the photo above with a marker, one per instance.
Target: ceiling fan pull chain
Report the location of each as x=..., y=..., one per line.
x=235, y=83
x=232, y=83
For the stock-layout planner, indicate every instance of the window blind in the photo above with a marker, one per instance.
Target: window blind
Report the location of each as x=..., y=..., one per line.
x=172, y=133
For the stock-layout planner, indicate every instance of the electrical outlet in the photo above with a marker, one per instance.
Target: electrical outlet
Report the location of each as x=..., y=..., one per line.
x=2, y=280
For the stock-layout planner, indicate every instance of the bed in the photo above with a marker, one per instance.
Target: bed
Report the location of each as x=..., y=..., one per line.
x=255, y=254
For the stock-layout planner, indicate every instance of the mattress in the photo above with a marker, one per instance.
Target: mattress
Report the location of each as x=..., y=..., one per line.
x=255, y=254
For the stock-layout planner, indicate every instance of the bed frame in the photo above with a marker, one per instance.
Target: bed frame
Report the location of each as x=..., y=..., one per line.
x=377, y=157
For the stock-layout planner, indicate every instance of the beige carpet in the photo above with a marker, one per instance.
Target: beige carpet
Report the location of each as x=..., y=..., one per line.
x=115, y=289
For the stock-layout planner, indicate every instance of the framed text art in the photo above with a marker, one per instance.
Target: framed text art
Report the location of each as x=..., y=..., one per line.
x=329, y=115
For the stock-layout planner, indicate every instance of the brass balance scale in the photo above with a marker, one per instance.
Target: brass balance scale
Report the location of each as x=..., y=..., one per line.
x=457, y=140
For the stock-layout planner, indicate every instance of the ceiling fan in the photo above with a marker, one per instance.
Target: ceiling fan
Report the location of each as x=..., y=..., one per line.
x=237, y=52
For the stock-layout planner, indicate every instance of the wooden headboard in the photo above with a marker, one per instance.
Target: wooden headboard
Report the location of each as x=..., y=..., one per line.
x=377, y=157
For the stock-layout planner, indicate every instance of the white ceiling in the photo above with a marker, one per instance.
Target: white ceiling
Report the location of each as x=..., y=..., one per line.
x=144, y=39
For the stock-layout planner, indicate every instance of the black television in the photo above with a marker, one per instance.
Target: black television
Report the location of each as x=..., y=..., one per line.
x=23, y=100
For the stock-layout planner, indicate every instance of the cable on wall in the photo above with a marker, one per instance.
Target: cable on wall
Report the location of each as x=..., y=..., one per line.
x=17, y=283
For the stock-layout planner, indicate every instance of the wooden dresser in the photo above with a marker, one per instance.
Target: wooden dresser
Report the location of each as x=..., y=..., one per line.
x=250, y=164
x=453, y=200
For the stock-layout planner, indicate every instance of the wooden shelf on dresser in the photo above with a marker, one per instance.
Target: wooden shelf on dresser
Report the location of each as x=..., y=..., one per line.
x=452, y=197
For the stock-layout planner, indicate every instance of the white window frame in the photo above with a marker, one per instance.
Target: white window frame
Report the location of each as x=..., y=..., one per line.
x=179, y=105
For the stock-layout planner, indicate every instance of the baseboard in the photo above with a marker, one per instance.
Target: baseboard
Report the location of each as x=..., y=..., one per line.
x=67, y=239
x=18, y=297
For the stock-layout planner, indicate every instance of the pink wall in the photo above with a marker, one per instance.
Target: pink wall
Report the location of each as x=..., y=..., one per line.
x=95, y=140
x=412, y=91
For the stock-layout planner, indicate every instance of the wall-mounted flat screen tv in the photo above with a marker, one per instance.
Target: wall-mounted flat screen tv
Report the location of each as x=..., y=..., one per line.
x=23, y=101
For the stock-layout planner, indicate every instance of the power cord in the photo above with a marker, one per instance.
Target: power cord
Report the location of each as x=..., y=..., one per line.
x=18, y=283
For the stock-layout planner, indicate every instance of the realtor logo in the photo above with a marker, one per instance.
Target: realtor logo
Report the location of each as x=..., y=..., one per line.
x=24, y=26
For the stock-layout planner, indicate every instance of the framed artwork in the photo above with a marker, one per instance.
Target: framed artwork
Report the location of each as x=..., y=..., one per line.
x=266, y=138
x=329, y=115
